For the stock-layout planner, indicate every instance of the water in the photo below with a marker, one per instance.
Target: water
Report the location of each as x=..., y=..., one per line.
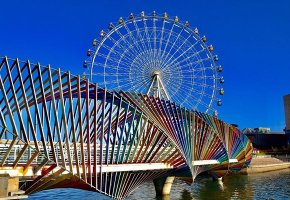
x=270, y=185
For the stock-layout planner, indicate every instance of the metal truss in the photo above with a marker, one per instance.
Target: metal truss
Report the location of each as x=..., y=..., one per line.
x=63, y=131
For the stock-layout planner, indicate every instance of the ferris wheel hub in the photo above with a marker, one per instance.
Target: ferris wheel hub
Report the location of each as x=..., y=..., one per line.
x=155, y=73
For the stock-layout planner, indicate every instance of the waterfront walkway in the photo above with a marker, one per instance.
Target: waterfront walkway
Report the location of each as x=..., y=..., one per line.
x=265, y=164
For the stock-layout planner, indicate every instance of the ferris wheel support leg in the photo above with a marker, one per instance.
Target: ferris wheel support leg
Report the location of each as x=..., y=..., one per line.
x=163, y=186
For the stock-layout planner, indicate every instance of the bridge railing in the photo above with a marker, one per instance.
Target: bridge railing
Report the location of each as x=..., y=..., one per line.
x=26, y=155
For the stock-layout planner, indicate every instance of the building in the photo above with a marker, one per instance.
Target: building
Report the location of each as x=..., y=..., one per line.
x=286, y=99
x=269, y=142
x=287, y=112
x=262, y=130
x=259, y=130
x=266, y=141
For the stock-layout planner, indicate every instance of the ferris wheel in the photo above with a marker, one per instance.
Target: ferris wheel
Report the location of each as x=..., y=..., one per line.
x=157, y=55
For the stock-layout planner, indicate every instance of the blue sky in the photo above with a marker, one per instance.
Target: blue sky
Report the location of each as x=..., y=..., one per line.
x=251, y=38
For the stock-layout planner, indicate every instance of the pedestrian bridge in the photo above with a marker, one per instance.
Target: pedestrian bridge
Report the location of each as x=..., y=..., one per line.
x=57, y=130
x=122, y=167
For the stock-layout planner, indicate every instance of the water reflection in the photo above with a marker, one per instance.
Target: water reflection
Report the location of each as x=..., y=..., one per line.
x=232, y=187
x=270, y=185
x=185, y=194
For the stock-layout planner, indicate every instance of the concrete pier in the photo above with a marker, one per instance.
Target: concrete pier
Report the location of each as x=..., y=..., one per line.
x=163, y=185
x=219, y=180
x=9, y=188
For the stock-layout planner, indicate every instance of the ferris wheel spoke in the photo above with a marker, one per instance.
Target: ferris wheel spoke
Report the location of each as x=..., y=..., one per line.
x=191, y=63
x=174, y=43
x=137, y=43
x=133, y=38
x=200, y=77
x=121, y=58
x=192, y=103
x=138, y=63
x=120, y=80
x=124, y=86
x=117, y=43
x=194, y=69
x=123, y=79
x=185, y=59
x=142, y=59
x=125, y=50
x=139, y=35
x=176, y=51
x=114, y=51
x=148, y=39
x=123, y=47
x=179, y=96
x=154, y=38
x=108, y=59
x=135, y=86
x=160, y=43
x=147, y=35
x=123, y=38
x=140, y=85
x=199, y=84
x=197, y=100
x=203, y=93
x=187, y=88
x=123, y=55
x=110, y=74
x=108, y=56
x=190, y=90
x=203, y=73
x=167, y=41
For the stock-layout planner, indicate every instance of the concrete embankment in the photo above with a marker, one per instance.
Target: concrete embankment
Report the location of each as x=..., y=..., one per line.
x=265, y=164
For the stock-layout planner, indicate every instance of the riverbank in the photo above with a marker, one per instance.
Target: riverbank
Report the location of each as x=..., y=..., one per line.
x=265, y=164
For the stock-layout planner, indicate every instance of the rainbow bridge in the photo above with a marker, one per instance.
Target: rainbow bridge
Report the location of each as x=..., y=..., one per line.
x=58, y=130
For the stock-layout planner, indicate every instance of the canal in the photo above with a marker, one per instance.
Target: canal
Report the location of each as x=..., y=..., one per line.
x=270, y=185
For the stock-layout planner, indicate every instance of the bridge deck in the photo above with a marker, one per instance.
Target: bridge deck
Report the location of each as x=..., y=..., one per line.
x=100, y=168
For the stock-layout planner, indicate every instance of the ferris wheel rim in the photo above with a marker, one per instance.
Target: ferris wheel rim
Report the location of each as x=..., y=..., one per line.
x=179, y=24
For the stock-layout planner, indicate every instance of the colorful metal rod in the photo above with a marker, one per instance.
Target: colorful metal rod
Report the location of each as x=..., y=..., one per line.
x=66, y=132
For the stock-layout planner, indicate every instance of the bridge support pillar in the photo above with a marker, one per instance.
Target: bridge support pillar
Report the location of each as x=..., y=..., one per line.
x=163, y=185
x=8, y=184
x=218, y=179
